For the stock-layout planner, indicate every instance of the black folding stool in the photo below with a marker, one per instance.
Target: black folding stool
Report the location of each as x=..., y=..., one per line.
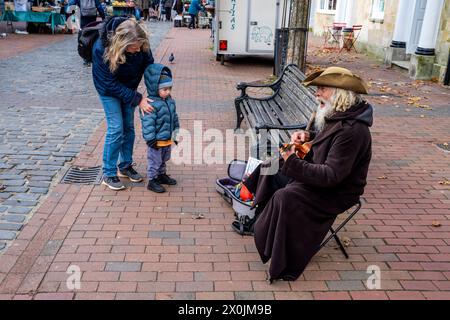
x=334, y=233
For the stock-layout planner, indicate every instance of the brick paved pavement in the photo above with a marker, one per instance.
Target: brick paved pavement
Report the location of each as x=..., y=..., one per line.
x=49, y=111
x=134, y=244
x=16, y=44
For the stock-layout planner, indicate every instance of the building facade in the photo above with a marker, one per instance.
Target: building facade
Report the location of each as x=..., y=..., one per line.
x=412, y=34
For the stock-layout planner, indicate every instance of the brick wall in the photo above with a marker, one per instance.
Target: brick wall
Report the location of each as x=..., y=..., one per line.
x=322, y=20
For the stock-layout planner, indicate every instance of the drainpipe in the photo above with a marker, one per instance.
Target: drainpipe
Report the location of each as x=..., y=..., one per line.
x=447, y=73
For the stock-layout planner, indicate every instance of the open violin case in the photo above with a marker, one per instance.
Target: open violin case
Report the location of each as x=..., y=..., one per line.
x=227, y=188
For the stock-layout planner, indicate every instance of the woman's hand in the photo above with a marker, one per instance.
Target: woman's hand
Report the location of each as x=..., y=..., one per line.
x=288, y=153
x=145, y=106
x=300, y=137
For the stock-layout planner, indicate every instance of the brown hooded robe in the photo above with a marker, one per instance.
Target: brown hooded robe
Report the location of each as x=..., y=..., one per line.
x=297, y=218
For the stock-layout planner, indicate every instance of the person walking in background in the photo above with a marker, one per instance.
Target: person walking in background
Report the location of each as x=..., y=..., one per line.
x=168, y=8
x=88, y=13
x=179, y=7
x=120, y=57
x=154, y=4
x=88, y=10
x=161, y=10
x=143, y=7
x=194, y=8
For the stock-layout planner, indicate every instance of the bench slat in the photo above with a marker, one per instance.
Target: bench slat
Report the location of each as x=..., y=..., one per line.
x=260, y=112
x=298, y=105
x=248, y=113
x=283, y=112
x=298, y=110
x=301, y=92
x=291, y=117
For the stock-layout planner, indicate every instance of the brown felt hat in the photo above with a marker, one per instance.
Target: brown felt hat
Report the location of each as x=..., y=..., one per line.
x=336, y=77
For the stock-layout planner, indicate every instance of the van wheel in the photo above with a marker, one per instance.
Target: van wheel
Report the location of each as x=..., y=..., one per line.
x=218, y=57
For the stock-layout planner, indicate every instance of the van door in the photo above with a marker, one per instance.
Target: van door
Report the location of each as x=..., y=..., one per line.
x=262, y=19
x=231, y=18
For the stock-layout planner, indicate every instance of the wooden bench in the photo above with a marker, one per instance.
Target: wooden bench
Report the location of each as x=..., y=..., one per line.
x=288, y=109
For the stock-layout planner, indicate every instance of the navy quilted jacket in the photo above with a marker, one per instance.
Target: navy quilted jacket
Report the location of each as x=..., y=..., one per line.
x=124, y=82
x=162, y=123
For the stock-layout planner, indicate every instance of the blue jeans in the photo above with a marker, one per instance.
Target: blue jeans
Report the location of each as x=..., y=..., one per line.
x=119, y=141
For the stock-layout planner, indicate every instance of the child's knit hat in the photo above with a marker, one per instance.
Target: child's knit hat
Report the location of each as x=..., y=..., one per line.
x=165, y=81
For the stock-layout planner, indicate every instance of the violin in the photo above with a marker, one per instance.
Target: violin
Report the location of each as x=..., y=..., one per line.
x=301, y=149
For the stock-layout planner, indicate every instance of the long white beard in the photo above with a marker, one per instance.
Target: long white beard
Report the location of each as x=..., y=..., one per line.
x=324, y=110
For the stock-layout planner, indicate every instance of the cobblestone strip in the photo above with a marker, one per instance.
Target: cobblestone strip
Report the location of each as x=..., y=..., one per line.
x=49, y=109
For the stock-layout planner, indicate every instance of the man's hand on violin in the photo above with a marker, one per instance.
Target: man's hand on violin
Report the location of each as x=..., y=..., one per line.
x=287, y=153
x=300, y=137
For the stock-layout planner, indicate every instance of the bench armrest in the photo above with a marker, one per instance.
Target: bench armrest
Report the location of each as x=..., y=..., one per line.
x=267, y=126
x=244, y=85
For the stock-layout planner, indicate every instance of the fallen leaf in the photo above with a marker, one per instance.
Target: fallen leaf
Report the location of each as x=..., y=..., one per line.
x=444, y=183
x=436, y=224
x=434, y=79
x=414, y=100
x=446, y=144
x=197, y=216
x=346, y=241
x=382, y=178
x=423, y=106
x=385, y=89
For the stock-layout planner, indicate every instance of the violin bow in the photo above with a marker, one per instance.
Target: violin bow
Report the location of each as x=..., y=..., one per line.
x=308, y=128
x=311, y=121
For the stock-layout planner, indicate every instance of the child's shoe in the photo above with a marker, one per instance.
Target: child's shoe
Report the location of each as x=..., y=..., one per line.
x=165, y=179
x=155, y=186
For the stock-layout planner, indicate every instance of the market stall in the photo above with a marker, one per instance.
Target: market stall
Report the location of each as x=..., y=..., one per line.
x=53, y=18
x=121, y=8
x=205, y=16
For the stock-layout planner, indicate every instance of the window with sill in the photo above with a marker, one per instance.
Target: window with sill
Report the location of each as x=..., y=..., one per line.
x=327, y=6
x=378, y=10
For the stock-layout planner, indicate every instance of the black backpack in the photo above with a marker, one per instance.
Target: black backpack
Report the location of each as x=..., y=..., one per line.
x=86, y=39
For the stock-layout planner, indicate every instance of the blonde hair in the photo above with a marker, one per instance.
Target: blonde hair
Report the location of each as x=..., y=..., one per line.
x=344, y=99
x=127, y=33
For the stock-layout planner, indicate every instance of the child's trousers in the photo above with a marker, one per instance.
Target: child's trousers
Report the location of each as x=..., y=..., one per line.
x=156, y=159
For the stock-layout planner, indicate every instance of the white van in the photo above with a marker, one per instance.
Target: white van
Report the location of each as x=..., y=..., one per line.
x=246, y=27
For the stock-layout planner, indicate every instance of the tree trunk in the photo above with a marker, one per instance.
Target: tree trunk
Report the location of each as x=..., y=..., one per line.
x=298, y=33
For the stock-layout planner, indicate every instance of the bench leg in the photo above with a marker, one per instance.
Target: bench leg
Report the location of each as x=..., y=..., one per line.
x=239, y=114
x=257, y=151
